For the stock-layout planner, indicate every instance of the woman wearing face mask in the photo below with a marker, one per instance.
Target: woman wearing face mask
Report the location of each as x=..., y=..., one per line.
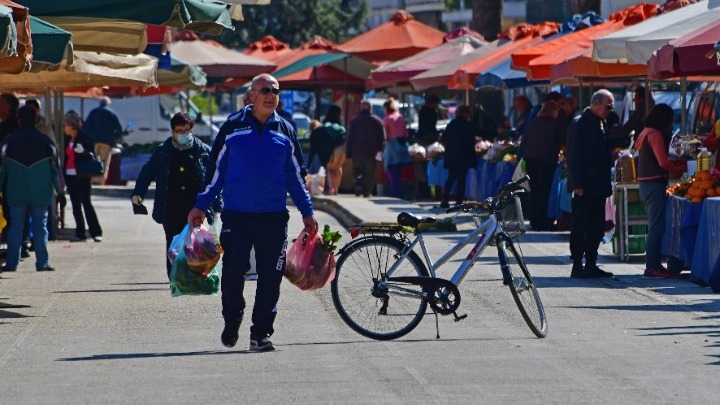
x=178, y=167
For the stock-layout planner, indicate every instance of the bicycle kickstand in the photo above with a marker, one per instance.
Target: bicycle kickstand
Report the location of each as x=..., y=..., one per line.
x=437, y=325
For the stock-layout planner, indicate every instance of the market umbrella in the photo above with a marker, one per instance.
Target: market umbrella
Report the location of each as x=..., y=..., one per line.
x=440, y=76
x=15, y=40
x=204, y=16
x=402, y=70
x=104, y=35
x=693, y=54
x=583, y=66
x=172, y=79
x=398, y=38
x=89, y=69
x=503, y=76
x=518, y=37
x=51, y=45
x=218, y=61
x=268, y=48
x=538, y=60
x=628, y=45
x=329, y=69
x=316, y=46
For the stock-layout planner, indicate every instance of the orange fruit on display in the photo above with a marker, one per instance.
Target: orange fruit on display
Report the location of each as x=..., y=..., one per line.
x=703, y=175
x=700, y=192
x=697, y=200
x=711, y=192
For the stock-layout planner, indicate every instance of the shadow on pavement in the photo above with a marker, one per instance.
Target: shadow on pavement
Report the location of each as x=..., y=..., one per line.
x=118, y=290
x=12, y=315
x=124, y=356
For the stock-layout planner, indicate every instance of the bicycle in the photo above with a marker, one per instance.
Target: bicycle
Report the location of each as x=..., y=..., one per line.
x=382, y=288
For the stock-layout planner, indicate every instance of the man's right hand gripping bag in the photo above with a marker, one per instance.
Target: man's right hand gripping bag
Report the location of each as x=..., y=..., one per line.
x=194, y=254
x=308, y=265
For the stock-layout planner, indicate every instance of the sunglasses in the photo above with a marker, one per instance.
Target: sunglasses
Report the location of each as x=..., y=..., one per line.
x=609, y=106
x=267, y=89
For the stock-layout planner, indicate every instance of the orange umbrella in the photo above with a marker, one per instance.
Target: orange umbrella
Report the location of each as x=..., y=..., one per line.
x=398, y=38
x=584, y=66
x=315, y=46
x=538, y=60
x=520, y=36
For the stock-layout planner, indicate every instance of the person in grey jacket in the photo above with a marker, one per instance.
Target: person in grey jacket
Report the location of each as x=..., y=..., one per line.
x=179, y=168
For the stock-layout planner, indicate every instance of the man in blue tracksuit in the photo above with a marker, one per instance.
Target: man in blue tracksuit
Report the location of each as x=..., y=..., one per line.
x=255, y=170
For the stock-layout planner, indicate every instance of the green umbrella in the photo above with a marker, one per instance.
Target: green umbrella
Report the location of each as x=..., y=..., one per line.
x=205, y=16
x=50, y=44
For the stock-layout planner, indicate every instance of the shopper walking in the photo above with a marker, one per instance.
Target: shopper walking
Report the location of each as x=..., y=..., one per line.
x=178, y=167
x=255, y=171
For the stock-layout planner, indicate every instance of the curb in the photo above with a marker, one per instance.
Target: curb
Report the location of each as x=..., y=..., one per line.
x=346, y=218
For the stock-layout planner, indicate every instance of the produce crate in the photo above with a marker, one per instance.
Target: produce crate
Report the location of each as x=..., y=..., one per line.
x=636, y=209
x=636, y=245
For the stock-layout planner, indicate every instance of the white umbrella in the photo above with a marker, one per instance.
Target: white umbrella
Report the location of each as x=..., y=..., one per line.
x=613, y=48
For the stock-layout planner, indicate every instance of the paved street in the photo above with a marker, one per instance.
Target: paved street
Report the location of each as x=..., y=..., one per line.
x=103, y=328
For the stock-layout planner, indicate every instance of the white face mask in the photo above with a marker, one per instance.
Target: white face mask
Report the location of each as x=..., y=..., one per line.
x=185, y=139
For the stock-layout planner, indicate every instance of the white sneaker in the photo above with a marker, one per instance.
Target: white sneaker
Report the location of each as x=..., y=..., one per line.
x=265, y=345
x=97, y=238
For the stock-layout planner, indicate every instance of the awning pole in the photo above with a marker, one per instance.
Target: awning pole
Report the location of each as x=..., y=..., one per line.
x=580, y=94
x=683, y=107
x=345, y=90
x=467, y=96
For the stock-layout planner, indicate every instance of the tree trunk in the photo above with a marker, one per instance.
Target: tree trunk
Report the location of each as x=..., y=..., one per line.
x=583, y=6
x=487, y=17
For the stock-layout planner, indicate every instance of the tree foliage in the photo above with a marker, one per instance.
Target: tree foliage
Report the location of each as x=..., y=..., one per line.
x=487, y=17
x=296, y=22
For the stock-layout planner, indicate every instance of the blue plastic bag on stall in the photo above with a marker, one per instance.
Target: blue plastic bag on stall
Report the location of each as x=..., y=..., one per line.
x=183, y=279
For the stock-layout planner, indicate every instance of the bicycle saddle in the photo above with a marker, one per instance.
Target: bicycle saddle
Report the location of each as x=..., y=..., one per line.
x=408, y=219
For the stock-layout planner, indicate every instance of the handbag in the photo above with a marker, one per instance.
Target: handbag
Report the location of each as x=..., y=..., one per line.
x=89, y=167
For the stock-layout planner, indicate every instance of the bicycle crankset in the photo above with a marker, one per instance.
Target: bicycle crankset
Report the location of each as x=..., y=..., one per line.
x=442, y=295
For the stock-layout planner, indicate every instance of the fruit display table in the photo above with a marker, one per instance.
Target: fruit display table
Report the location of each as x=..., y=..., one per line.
x=705, y=268
x=682, y=218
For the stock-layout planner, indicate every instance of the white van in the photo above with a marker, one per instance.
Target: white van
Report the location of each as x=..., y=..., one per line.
x=147, y=119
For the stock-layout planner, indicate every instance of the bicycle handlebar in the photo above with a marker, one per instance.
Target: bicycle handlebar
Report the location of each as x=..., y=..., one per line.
x=508, y=190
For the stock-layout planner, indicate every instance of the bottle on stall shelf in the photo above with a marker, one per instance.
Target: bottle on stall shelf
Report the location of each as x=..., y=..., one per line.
x=703, y=159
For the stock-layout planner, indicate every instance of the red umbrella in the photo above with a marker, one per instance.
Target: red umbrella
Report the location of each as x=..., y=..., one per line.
x=693, y=54
x=268, y=48
x=398, y=38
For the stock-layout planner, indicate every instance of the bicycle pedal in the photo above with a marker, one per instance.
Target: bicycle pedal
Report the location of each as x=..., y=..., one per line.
x=460, y=317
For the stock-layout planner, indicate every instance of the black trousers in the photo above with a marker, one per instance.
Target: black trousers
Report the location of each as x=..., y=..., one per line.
x=458, y=174
x=80, y=191
x=172, y=226
x=541, y=178
x=267, y=233
x=364, y=174
x=587, y=228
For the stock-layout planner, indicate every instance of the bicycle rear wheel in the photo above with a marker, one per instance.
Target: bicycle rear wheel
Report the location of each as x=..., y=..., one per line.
x=522, y=287
x=366, y=301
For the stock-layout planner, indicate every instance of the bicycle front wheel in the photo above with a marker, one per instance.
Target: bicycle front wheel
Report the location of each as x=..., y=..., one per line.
x=364, y=298
x=523, y=289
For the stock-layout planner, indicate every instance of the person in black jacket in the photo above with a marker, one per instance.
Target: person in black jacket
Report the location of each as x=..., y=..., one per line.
x=459, y=153
x=589, y=164
x=179, y=168
x=78, y=146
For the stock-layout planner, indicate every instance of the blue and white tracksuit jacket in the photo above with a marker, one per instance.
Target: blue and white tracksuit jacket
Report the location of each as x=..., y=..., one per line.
x=255, y=171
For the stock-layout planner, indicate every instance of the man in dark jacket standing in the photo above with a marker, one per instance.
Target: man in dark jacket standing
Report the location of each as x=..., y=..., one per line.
x=104, y=126
x=589, y=163
x=29, y=174
x=365, y=139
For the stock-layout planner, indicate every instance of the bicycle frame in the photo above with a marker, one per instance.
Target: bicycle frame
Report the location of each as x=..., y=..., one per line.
x=488, y=229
